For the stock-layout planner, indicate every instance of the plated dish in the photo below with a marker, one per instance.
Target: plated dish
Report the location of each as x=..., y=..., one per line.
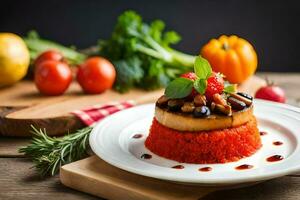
x=184, y=135
x=202, y=133
x=120, y=140
x=208, y=123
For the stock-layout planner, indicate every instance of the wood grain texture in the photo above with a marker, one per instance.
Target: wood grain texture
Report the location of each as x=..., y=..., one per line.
x=286, y=188
x=9, y=146
x=19, y=182
x=94, y=176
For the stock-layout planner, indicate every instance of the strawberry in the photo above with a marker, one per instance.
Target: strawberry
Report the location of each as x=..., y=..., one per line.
x=192, y=76
x=189, y=75
x=215, y=84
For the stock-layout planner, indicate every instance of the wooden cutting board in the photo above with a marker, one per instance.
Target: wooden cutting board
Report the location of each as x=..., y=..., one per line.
x=21, y=105
x=94, y=176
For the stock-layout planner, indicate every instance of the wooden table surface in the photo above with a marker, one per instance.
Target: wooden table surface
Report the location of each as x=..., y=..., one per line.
x=19, y=181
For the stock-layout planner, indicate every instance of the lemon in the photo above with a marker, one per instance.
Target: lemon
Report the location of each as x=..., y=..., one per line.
x=14, y=59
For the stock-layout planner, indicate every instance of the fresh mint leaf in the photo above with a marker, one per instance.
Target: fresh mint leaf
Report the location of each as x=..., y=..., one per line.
x=202, y=68
x=179, y=88
x=200, y=85
x=229, y=88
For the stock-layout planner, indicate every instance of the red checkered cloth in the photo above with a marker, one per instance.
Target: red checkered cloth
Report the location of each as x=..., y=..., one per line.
x=96, y=113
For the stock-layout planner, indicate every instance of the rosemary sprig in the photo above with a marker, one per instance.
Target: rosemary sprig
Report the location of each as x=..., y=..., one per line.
x=49, y=153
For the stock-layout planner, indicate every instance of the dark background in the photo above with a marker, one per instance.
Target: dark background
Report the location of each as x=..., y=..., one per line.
x=271, y=26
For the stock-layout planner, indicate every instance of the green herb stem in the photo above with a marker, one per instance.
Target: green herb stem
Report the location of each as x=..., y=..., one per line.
x=36, y=45
x=184, y=59
x=49, y=153
x=148, y=51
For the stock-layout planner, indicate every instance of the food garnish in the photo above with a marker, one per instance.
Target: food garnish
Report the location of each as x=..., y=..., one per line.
x=204, y=91
x=215, y=85
x=175, y=104
x=182, y=87
x=204, y=81
x=202, y=111
x=200, y=100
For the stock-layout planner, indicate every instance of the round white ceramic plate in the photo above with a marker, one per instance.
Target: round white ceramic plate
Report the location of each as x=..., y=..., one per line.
x=112, y=140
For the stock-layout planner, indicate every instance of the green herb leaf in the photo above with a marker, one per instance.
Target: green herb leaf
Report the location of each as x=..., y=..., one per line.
x=230, y=88
x=202, y=68
x=179, y=88
x=200, y=85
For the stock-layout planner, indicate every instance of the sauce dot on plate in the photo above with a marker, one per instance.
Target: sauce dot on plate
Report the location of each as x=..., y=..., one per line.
x=263, y=133
x=146, y=156
x=136, y=136
x=245, y=166
x=275, y=158
x=277, y=143
x=205, y=169
x=178, y=167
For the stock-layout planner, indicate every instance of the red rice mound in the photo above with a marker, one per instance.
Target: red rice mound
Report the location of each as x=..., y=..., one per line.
x=204, y=147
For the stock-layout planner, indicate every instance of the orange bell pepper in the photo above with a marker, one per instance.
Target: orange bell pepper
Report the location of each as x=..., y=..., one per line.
x=232, y=56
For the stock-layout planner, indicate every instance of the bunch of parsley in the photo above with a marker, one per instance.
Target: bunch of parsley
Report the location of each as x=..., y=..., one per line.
x=142, y=55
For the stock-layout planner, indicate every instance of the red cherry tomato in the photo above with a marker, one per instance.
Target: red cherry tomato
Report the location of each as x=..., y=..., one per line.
x=48, y=55
x=271, y=93
x=52, y=77
x=96, y=75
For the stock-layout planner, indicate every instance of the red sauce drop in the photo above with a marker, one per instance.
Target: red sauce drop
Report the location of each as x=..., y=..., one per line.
x=245, y=166
x=277, y=143
x=146, y=156
x=275, y=158
x=136, y=136
x=205, y=169
x=263, y=133
x=178, y=167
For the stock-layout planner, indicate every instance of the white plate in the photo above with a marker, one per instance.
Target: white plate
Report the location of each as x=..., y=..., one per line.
x=112, y=140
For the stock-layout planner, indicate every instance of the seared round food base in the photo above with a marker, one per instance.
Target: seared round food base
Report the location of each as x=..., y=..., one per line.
x=187, y=122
